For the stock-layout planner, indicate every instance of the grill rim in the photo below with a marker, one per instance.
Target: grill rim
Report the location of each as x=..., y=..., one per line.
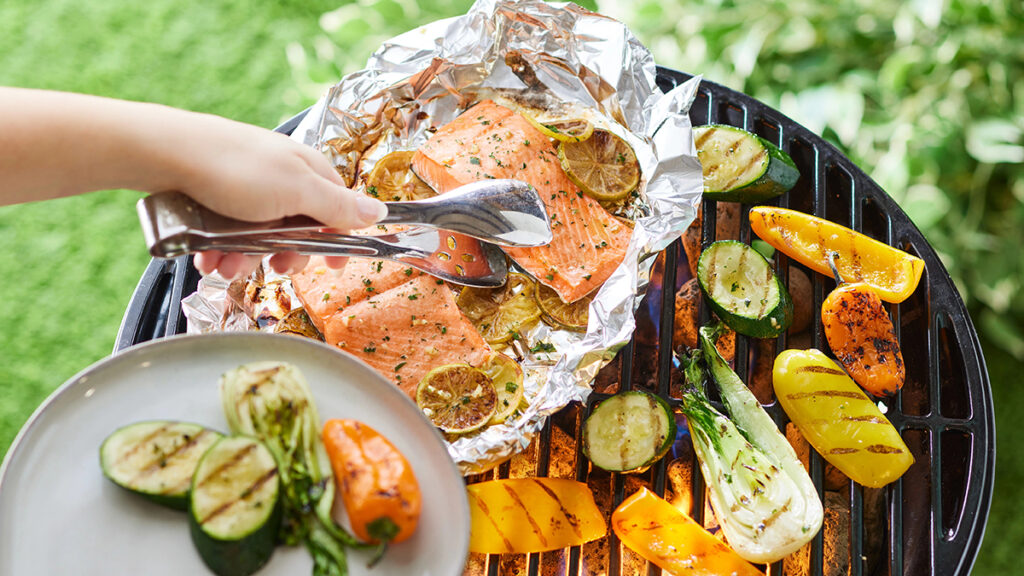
x=154, y=311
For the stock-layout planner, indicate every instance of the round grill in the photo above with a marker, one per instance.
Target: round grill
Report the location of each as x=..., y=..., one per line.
x=931, y=521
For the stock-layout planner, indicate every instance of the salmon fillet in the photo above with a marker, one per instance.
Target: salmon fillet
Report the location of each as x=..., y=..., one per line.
x=492, y=141
x=407, y=331
x=324, y=291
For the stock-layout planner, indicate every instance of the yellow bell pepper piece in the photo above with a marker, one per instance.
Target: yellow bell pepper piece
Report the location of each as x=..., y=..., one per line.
x=662, y=534
x=838, y=418
x=809, y=240
x=532, y=515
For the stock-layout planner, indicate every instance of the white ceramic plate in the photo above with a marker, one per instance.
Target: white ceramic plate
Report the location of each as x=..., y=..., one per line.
x=60, y=515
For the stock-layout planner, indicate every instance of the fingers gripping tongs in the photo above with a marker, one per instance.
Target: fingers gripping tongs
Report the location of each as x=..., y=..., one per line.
x=452, y=236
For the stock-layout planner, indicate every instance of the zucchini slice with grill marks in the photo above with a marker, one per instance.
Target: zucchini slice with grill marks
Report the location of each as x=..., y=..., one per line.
x=235, y=506
x=742, y=167
x=629, y=431
x=743, y=290
x=156, y=459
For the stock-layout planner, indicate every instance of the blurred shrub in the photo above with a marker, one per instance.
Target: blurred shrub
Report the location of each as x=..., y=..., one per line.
x=927, y=96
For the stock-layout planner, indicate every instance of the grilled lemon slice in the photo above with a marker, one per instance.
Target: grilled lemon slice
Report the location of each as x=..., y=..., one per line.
x=563, y=129
x=457, y=398
x=556, y=312
x=392, y=178
x=603, y=166
x=500, y=314
x=507, y=377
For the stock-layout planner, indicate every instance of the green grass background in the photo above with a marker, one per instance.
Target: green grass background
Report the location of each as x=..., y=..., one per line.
x=69, y=266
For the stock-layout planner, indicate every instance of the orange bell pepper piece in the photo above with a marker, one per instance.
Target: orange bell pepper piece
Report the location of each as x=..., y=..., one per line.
x=531, y=515
x=863, y=339
x=809, y=240
x=381, y=495
x=662, y=534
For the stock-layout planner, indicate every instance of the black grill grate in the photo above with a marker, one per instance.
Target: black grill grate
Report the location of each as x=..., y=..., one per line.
x=934, y=517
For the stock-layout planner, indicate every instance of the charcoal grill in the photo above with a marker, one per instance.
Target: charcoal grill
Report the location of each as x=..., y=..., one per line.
x=929, y=522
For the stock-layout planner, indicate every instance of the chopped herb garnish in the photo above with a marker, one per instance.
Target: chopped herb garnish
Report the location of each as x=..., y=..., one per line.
x=474, y=160
x=511, y=387
x=543, y=347
x=370, y=349
x=399, y=366
x=413, y=296
x=327, y=296
x=372, y=191
x=408, y=271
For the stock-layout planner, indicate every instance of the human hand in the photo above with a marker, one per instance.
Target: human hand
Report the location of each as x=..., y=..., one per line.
x=256, y=175
x=236, y=169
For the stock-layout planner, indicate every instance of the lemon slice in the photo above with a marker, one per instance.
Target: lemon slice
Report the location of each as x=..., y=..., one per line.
x=457, y=398
x=563, y=129
x=603, y=166
x=507, y=377
x=500, y=314
x=557, y=313
x=392, y=178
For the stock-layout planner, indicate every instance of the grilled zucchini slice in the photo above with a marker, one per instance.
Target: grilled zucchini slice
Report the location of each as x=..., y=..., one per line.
x=629, y=431
x=235, y=506
x=156, y=459
x=742, y=167
x=743, y=290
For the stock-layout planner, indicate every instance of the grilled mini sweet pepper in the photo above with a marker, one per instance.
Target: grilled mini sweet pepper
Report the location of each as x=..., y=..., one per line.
x=810, y=240
x=381, y=495
x=532, y=515
x=662, y=534
x=838, y=418
x=862, y=337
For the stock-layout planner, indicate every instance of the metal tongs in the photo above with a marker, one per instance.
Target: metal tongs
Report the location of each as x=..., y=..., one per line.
x=453, y=235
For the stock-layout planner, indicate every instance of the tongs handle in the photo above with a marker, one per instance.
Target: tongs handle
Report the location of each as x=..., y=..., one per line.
x=175, y=224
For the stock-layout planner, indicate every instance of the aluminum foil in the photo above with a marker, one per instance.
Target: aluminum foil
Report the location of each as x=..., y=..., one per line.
x=544, y=56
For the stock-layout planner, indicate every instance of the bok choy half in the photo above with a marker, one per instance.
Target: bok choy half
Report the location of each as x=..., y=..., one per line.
x=271, y=402
x=761, y=493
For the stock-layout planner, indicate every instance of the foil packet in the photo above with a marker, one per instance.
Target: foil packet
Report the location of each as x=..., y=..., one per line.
x=549, y=56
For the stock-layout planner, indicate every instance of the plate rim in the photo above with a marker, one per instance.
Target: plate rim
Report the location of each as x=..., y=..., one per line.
x=182, y=339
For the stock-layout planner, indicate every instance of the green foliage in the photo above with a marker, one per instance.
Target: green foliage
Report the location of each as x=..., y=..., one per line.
x=926, y=97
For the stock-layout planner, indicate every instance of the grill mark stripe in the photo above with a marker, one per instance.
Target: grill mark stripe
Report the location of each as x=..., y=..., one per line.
x=232, y=462
x=867, y=419
x=243, y=496
x=821, y=370
x=494, y=524
x=569, y=517
x=138, y=445
x=705, y=137
x=154, y=465
x=768, y=277
x=825, y=394
x=756, y=159
x=841, y=451
x=883, y=449
x=620, y=420
x=533, y=523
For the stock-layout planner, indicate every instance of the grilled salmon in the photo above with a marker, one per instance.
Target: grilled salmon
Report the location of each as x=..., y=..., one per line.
x=406, y=331
x=324, y=291
x=492, y=141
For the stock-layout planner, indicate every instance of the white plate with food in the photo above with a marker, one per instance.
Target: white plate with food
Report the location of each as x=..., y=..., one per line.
x=60, y=515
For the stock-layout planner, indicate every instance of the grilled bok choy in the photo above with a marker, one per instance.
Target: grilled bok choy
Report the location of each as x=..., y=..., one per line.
x=271, y=402
x=761, y=494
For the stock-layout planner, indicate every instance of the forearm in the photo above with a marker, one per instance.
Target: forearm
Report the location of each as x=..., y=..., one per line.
x=55, y=144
